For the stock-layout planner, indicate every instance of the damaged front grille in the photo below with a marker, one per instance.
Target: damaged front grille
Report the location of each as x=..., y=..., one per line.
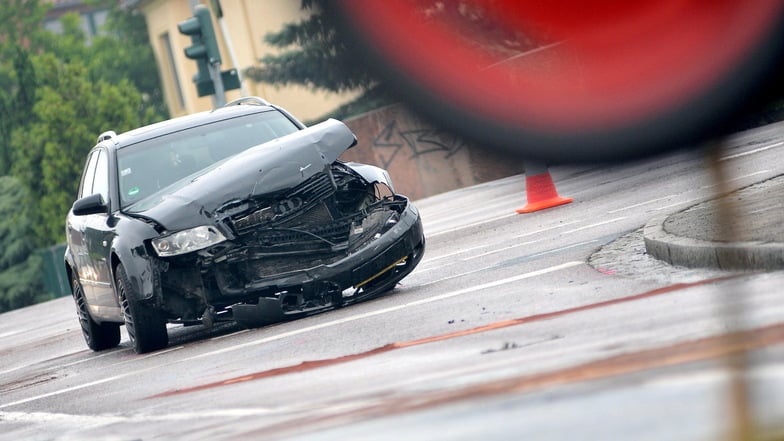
x=304, y=227
x=302, y=220
x=289, y=205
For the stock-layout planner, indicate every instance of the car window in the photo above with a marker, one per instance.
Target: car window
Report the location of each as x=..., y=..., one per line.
x=148, y=167
x=101, y=180
x=86, y=187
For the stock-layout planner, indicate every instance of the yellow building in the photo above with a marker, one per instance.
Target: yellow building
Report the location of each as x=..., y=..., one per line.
x=240, y=32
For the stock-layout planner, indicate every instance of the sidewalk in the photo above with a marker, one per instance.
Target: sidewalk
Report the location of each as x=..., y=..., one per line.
x=693, y=237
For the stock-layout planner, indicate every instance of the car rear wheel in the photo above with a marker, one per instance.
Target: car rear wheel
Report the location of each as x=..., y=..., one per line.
x=146, y=326
x=98, y=336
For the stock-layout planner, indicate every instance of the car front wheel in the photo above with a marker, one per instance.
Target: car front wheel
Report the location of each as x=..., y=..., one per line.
x=146, y=326
x=98, y=336
x=387, y=281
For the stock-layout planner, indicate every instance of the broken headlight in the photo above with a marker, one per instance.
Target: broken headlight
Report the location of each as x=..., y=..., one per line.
x=186, y=241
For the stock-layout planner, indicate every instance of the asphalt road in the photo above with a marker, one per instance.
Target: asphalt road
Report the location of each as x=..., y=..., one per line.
x=551, y=325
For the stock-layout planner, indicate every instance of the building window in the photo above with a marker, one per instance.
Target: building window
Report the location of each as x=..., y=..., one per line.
x=91, y=21
x=169, y=53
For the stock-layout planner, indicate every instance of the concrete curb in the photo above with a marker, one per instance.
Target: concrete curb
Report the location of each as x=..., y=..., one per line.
x=694, y=253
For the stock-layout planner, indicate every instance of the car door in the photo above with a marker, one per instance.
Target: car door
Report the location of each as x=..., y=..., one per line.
x=98, y=235
x=75, y=230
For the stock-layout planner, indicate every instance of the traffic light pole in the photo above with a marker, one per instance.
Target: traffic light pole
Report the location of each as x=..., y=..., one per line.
x=219, y=99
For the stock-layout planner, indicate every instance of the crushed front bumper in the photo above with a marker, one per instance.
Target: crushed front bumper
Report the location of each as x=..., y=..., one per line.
x=403, y=239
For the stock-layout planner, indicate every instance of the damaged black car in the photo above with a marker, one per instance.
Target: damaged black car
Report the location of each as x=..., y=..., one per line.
x=239, y=214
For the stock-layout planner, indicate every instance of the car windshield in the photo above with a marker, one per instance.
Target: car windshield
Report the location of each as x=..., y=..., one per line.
x=155, y=165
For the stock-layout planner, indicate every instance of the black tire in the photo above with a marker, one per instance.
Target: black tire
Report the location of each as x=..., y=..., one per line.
x=98, y=336
x=146, y=326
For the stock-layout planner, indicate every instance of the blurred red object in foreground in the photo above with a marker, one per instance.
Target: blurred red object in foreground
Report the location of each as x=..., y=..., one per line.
x=610, y=79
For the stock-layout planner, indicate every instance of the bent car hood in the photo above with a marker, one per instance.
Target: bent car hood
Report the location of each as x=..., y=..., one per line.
x=266, y=168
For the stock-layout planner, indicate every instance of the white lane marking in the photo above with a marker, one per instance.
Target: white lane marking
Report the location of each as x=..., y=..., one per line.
x=761, y=172
x=157, y=353
x=61, y=419
x=95, y=357
x=231, y=334
x=687, y=201
x=491, y=204
x=283, y=335
x=558, y=250
x=543, y=253
x=8, y=334
x=762, y=210
x=531, y=256
x=459, y=292
x=737, y=178
x=531, y=233
x=704, y=187
x=92, y=421
x=13, y=369
x=542, y=230
x=424, y=261
x=595, y=225
x=751, y=152
x=629, y=207
x=97, y=382
x=497, y=250
x=92, y=357
x=79, y=387
x=486, y=221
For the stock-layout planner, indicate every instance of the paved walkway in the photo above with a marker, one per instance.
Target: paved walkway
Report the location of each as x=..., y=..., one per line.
x=695, y=237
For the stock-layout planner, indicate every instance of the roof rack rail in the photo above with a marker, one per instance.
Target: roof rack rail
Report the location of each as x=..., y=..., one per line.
x=250, y=100
x=109, y=134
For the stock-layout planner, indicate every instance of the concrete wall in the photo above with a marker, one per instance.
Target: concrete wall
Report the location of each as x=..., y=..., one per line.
x=423, y=160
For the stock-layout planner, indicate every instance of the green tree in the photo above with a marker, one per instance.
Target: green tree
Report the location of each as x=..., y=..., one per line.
x=313, y=55
x=124, y=52
x=20, y=26
x=20, y=266
x=57, y=93
x=64, y=91
x=16, y=108
x=68, y=115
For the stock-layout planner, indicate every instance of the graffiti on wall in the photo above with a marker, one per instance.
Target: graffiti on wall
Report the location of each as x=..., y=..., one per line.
x=393, y=141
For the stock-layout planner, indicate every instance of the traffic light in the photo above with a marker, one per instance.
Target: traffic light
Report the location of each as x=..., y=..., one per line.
x=199, y=28
x=203, y=48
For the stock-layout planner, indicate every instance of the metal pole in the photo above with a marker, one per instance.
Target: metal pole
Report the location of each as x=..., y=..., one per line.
x=733, y=311
x=219, y=99
x=229, y=46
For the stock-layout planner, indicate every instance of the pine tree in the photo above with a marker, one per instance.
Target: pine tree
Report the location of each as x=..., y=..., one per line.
x=20, y=266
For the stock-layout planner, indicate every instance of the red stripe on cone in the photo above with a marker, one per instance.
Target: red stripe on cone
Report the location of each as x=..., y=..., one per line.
x=541, y=194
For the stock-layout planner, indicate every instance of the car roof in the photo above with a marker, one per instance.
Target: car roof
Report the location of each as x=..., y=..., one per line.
x=118, y=141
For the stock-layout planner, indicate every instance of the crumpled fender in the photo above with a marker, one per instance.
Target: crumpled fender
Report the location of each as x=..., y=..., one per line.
x=372, y=174
x=143, y=269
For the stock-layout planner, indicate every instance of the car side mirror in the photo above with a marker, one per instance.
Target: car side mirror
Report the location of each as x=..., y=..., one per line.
x=92, y=204
x=354, y=143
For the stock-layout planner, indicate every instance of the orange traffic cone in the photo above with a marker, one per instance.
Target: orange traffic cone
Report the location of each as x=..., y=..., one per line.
x=540, y=190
